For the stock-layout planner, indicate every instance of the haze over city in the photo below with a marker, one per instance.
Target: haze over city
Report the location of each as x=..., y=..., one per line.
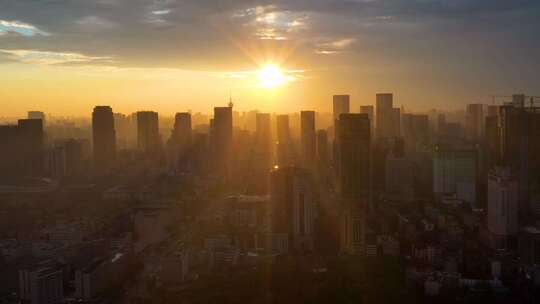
x=294, y=151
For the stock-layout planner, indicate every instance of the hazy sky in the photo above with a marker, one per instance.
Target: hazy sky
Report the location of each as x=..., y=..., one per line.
x=65, y=56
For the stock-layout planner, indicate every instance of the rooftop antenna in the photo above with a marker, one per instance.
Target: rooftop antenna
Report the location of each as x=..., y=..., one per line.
x=231, y=104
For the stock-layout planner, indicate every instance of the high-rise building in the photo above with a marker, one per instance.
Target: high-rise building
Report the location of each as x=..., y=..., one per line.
x=21, y=147
x=222, y=137
x=308, y=138
x=283, y=148
x=341, y=104
x=370, y=111
x=354, y=143
x=263, y=152
x=293, y=208
x=104, y=137
x=474, y=121
x=180, y=142
x=502, y=207
x=148, y=139
x=36, y=115
x=384, y=115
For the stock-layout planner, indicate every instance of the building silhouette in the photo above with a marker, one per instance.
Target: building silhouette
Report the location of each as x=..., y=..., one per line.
x=283, y=149
x=221, y=138
x=180, y=142
x=341, y=104
x=308, y=138
x=384, y=115
x=148, y=139
x=355, y=161
x=293, y=209
x=104, y=137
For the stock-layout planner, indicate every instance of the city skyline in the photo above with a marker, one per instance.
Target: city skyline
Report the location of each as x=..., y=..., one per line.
x=164, y=55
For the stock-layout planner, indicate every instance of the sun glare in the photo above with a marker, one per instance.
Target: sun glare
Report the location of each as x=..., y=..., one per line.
x=271, y=76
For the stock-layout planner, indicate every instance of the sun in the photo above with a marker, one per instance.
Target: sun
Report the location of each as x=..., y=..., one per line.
x=271, y=76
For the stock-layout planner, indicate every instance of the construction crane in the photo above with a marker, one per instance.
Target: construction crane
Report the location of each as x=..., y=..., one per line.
x=532, y=99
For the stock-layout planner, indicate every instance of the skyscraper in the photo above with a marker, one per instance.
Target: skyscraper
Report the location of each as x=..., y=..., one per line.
x=36, y=115
x=341, y=105
x=148, y=140
x=293, y=209
x=222, y=136
x=263, y=152
x=355, y=162
x=308, y=138
x=21, y=147
x=371, y=115
x=502, y=207
x=384, y=115
x=283, y=140
x=104, y=137
x=180, y=142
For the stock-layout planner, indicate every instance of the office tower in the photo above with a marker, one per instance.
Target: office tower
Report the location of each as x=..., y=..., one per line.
x=502, y=207
x=22, y=150
x=41, y=285
x=369, y=110
x=148, y=140
x=473, y=122
x=341, y=104
x=293, y=208
x=263, y=153
x=104, y=137
x=36, y=115
x=222, y=136
x=354, y=144
x=415, y=130
x=354, y=179
x=180, y=143
x=384, y=115
x=455, y=172
x=283, y=141
x=308, y=138
x=322, y=148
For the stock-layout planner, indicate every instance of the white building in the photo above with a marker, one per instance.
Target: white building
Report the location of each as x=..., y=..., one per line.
x=502, y=206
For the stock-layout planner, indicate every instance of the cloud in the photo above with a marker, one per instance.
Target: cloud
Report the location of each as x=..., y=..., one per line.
x=21, y=28
x=50, y=58
x=95, y=23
